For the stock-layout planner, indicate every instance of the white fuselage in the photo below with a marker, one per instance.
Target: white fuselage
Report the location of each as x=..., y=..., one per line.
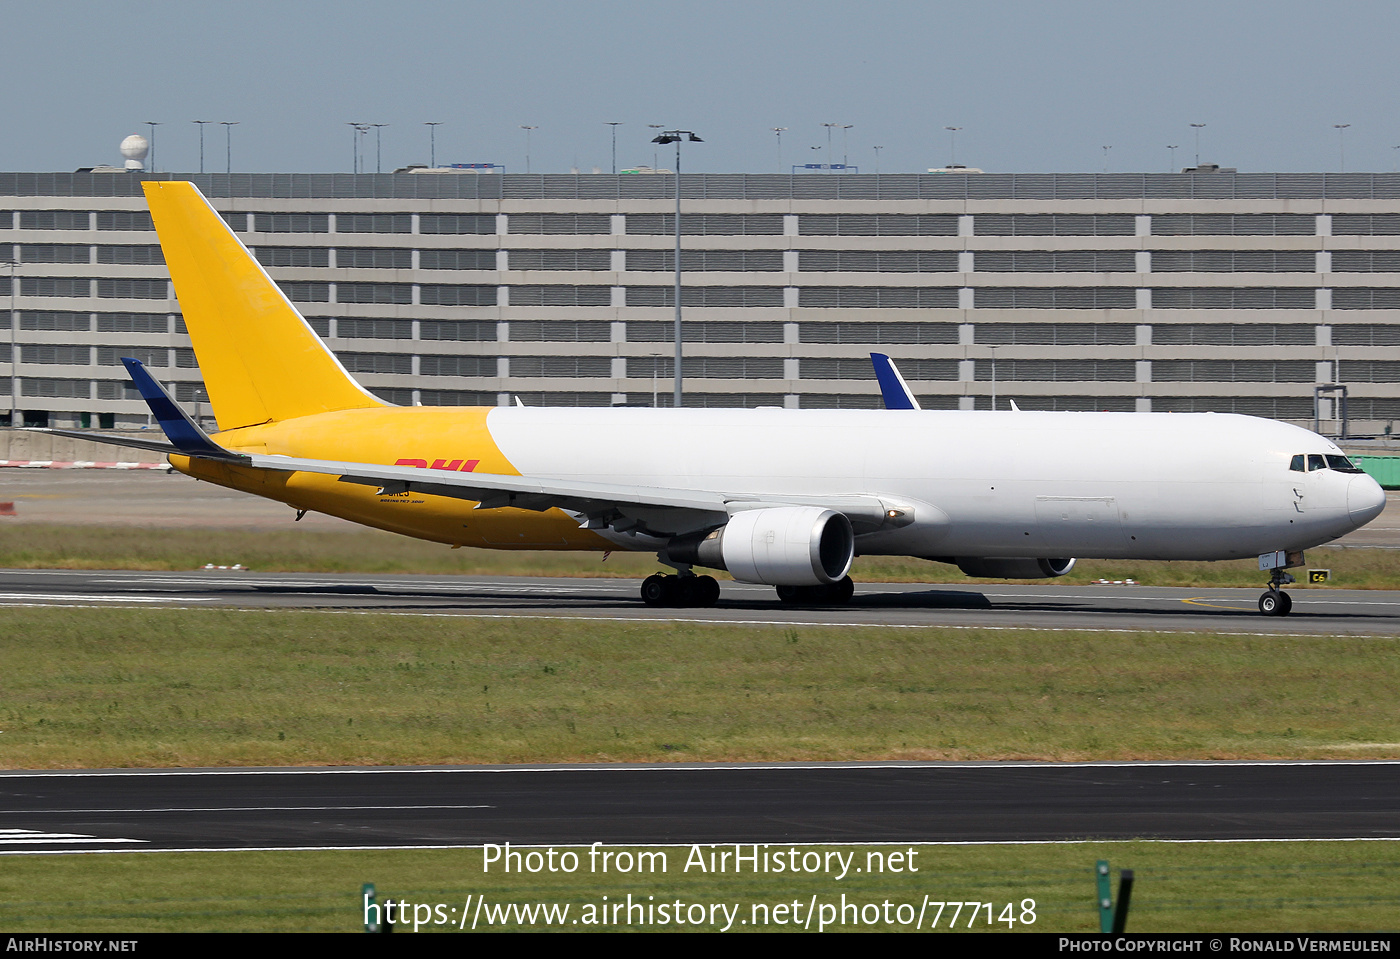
x=991, y=484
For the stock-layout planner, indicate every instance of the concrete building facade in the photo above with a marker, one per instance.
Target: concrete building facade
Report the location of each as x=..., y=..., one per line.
x=1168, y=292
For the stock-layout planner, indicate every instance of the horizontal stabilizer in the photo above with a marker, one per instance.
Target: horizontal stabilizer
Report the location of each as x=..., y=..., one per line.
x=895, y=391
x=130, y=442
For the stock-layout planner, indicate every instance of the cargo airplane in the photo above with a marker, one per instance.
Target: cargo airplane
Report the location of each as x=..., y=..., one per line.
x=780, y=497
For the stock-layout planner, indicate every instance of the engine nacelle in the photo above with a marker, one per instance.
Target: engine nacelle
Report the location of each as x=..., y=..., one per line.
x=1013, y=568
x=779, y=546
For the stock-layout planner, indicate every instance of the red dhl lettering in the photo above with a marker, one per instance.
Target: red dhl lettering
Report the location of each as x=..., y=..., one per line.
x=456, y=466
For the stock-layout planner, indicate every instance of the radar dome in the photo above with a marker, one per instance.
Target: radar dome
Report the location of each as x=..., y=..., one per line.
x=135, y=148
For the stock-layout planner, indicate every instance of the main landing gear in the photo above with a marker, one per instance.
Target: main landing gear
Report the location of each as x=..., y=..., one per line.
x=663, y=589
x=832, y=594
x=1276, y=602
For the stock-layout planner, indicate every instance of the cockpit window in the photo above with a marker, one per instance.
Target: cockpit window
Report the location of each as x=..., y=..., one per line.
x=1319, y=461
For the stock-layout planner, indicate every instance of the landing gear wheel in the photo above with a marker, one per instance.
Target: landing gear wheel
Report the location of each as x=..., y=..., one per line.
x=840, y=593
x=654, y=590
x=686, y=592
x=706, y=590
x=1275, y=603
x=661, y=589
x=829, y=594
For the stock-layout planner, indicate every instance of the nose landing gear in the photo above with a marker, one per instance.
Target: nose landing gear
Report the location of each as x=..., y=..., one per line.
x=1276, y=602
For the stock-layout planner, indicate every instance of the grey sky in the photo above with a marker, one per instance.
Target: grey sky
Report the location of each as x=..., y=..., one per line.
x=1036, y=86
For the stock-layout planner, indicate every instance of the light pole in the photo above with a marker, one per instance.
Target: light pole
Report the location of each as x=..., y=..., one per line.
x=1198, y=127
x=378, y=144
x=952, y=146
x=354, y=145
x=779, y=131
x=16, y=420
x=527, y=130
x=1171, y=163
x=877, y=160
x=153, y=124
x=676, y=136
x=1341, y=142
x=1105, y=158
x=201, y=142
x=228, y=126
x=614, y=124
x=829, y=128
x=845, y=146
x=432, y=126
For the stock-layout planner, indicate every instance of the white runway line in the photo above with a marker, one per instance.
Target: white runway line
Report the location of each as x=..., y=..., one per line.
x=656, y=845
x=90, y=598
x=383, y=588
x=15, y=837
x=139, y=809
x=950, y=766
x=645, y=620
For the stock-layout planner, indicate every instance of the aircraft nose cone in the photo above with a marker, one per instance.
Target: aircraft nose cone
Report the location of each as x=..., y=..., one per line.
x=1365, y=499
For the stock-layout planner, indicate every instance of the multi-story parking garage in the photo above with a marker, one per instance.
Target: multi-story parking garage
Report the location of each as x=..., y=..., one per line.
x=1186, y=292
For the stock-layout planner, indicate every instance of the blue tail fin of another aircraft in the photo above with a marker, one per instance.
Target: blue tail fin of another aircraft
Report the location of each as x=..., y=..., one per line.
x=895, y=391
x=184, y=433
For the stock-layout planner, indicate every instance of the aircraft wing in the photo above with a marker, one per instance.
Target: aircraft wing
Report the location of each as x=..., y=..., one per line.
x=660, y=510
x=621, y=506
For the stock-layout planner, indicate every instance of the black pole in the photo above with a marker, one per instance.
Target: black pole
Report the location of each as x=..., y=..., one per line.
x=1125, y=896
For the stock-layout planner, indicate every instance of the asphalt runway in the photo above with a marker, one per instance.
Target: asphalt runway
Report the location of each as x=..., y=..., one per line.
x=954, y=802
x=1041, y=606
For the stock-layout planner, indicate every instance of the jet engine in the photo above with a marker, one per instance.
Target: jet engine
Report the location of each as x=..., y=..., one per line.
x=777, y=546
x=1013, y=568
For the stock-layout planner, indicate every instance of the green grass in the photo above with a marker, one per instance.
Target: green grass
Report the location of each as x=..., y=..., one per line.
x=120, y=687
x=372, y=551
x=1273, y=887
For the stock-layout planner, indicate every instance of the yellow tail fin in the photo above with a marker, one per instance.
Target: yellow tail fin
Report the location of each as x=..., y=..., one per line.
x=261, y=361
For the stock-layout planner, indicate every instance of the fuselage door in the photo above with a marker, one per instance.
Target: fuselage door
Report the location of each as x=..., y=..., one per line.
x=1079, y=524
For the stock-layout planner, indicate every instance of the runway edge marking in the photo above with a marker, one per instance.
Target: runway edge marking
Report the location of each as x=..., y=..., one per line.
x=683, y=845
x=716, y=622
x=951, y=766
